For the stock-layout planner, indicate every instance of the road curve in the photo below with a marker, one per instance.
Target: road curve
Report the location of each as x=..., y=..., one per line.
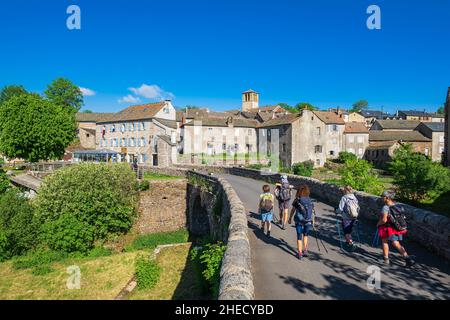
x=338, y=274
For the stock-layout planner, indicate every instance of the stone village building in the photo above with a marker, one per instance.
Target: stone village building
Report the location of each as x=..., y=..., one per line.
x=447, y=130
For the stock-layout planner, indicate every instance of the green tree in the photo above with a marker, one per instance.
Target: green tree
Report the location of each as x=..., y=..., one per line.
x=441, y=110
x=345, y=156
x=63, y=92
x=103, y=196
x=34, y=128
x=288, y=107
x=87, y=111
x=305, y=106
x=10, y=91
x=417, y=177
x=359, y=106
x=360, y=175
x=4, y=181
x=303, y=168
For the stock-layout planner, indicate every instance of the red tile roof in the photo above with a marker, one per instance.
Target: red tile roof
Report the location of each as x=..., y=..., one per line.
x=355, y=127
x=329, y=117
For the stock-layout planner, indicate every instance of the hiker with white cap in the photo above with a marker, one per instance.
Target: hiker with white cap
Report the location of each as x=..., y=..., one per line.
x=283, y=194
x=349, y=209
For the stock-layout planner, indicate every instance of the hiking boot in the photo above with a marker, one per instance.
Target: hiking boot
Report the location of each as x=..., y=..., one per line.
x=351, y=246
x=386, y=261
x=268, y=233
x=299, y=255
x=409, y=262
x=305, y=253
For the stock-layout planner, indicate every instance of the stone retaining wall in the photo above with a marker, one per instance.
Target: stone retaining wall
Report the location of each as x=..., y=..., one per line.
x=236, y=281
x=162, y=208
x=425, y=227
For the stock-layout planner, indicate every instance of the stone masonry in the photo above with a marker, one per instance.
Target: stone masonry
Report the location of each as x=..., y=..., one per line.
x=163, y=207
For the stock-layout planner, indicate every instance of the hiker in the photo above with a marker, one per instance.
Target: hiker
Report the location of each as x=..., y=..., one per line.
x=302, y=211
x=265, y=208
x=283, y=194
x=391, y=227
x=349, y=209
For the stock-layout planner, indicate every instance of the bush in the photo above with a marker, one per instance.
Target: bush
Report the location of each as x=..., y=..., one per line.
x=18, y=228
x=98, y=252
x=4, y=181
x=417, y=177
x=144, y=185
x=345, y=156
x=303, y=168
x=99, y=197
x=210, y=258
x=359, y=175
x=147, y=272
x=38, y=258
x=68, y=234
x=153, y=240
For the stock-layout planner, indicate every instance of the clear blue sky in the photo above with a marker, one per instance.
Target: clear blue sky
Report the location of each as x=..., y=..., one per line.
x=206, y=52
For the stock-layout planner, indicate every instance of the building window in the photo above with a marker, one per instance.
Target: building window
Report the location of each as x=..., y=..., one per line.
x=283, y=147
x=143, y=142
x=87, y=135
x=331, y=153
x=335, y=127
x=236, y=147
x=249, y=132
x=210, y=130
x=318, y=149
x=427, y=151
x=318, y=162
x=351, y=150
x=236, y=132
x=122, y=128
x=224, y=146
x=441, y=139
x=334, y=141
x=351, y=139
x=318, y=131
x=268, y=132
x=360, y=151
x=360, y=139
x=166, y=110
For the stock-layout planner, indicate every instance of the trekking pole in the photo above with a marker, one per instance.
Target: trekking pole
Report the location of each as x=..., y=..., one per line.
x=339, y=232
x=317, y=234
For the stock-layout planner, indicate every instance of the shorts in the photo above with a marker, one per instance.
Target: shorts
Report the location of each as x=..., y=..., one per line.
x=347, y=225
x=266, y=216
x=396, y=237
x=283, y=205
x=303, y=230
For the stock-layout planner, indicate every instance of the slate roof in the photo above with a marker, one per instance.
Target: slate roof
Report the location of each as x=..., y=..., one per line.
x=355, y=127
x=408, y=136
x=373, y=114
x=329, y=117
x=380, y=145
x=435, y=126
x=222, y=122
x=414, y=113
x=398, y=124
x=287, y=119
x=168, y=123
x=166, y=139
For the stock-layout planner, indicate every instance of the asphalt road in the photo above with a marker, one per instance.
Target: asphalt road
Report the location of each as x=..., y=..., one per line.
x=338, y=274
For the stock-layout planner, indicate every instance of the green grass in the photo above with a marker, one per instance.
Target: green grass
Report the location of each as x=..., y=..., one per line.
x=152, y=240
x=159, y=176
x=441, y=205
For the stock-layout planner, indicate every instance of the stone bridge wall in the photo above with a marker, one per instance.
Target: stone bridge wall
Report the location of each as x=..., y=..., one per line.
x=427, y=228
x=228, y=223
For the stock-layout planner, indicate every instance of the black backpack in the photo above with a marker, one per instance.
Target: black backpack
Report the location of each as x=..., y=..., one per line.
x=397, y=218
x=303, y=212
x=285, y=192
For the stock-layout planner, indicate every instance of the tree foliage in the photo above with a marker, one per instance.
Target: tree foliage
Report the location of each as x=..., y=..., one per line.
x=18, y=228
x=417, y=177
x=11, y=91
x=34, y=128
x=64, y=93
x=359, y=105
x=360, y=175
x=4, y=181
x=102, y=196
x=305, y=106
x=87, y=111
x=345, y=156
x=303, y=168
x=441, y=110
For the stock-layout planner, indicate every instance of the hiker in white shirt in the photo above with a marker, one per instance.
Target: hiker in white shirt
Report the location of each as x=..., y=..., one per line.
x=349, y=209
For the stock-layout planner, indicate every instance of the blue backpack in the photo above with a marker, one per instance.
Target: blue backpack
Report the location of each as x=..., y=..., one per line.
x=304, y=210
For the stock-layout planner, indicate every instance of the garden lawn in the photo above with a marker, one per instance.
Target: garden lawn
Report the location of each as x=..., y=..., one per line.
x=159, y=176
x=101, y=278
x=179, y=279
